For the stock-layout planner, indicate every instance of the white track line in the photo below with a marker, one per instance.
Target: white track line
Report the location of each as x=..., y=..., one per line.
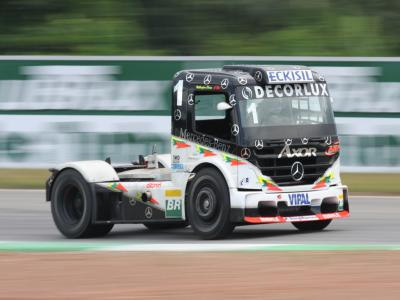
x=22, y=190
x=187, y=247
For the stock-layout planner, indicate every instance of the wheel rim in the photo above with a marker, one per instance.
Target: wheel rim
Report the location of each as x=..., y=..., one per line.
x=206, y=204
x=72, y=203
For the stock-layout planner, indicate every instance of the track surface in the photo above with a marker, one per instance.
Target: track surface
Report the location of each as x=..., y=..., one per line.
x=25, y=216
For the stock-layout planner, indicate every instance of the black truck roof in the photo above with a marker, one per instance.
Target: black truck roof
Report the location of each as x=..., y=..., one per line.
x=243, y=74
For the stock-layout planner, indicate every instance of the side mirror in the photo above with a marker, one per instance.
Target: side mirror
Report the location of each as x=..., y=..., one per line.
x=223, y=106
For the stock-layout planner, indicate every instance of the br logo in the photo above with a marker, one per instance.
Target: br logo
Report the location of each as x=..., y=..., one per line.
x=173, y=208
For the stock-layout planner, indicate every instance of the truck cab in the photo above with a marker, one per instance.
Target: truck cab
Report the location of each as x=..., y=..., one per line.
x=249, y=145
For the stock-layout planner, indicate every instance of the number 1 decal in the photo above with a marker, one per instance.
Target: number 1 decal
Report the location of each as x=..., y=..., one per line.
x=252, y=109
x=178, y=88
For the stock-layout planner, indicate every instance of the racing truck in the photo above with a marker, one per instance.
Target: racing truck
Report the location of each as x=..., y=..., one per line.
x=249, y=145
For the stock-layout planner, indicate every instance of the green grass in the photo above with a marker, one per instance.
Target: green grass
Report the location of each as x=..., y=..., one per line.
x=23, y=178
x=358, y=183
x=372, y=183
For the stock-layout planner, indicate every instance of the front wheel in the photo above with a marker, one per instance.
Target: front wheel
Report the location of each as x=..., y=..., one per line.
x=209, y=205
x=312, y=225
x=71, y=207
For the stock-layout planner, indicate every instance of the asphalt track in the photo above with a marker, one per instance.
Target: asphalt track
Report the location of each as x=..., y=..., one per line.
x=374, y=220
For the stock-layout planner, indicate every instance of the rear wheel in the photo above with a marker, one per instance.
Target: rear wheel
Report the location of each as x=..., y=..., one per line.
x=209, y=205
x=165, y=225
x=71, y=207
x=312, y=225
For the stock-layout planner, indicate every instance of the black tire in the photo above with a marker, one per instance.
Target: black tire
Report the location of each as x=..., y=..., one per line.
x=165, y=225
x=71, y=207
x=208, y=205
x=312, y=225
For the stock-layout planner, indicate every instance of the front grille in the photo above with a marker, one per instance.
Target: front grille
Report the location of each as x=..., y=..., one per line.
x=279, y=169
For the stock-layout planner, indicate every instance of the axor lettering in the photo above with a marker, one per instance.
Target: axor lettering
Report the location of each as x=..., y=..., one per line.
x=297, y=152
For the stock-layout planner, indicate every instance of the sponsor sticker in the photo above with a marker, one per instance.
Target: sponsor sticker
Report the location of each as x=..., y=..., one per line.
x=299, y=199
x=290, y=76
x=270, y=219
x=330, y=216
x=301, y=218
x=173, y=193
x=173, y=208
x=204, y=140
x=285, y=90
x=177, y=166
x=204, y=87
x=153, y=185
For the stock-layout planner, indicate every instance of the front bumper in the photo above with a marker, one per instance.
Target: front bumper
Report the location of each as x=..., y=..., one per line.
x=260, y=207
x=279, y=219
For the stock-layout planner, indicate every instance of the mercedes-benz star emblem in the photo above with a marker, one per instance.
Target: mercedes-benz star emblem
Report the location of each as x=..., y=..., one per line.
x=190, y=99
x=235, y=129
x=242, y=80
x=328, y=140
x=297, y=171
x=177, y=115
x=207, y=80
x=189, y=77
x=232, y=100
x=258, y=75
x=259, y=144
x=148, y=212
x=304, y=141
x=245, y=153
x=288, y=142
x=224, y=83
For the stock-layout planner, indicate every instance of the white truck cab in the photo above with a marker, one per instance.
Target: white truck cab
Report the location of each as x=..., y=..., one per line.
x=249, y=144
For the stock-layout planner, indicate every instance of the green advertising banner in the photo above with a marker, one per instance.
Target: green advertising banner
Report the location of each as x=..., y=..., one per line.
x=54, y=109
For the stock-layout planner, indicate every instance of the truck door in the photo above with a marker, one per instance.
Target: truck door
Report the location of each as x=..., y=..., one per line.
x=215, y=127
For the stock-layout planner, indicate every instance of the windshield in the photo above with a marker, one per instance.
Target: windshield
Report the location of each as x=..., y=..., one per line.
x=277, y=118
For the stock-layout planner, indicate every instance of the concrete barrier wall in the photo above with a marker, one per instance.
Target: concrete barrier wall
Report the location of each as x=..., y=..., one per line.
x=54, y=109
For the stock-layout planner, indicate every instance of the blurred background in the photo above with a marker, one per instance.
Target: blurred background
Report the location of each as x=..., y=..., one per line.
x=90, y=79
x=206, y=27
